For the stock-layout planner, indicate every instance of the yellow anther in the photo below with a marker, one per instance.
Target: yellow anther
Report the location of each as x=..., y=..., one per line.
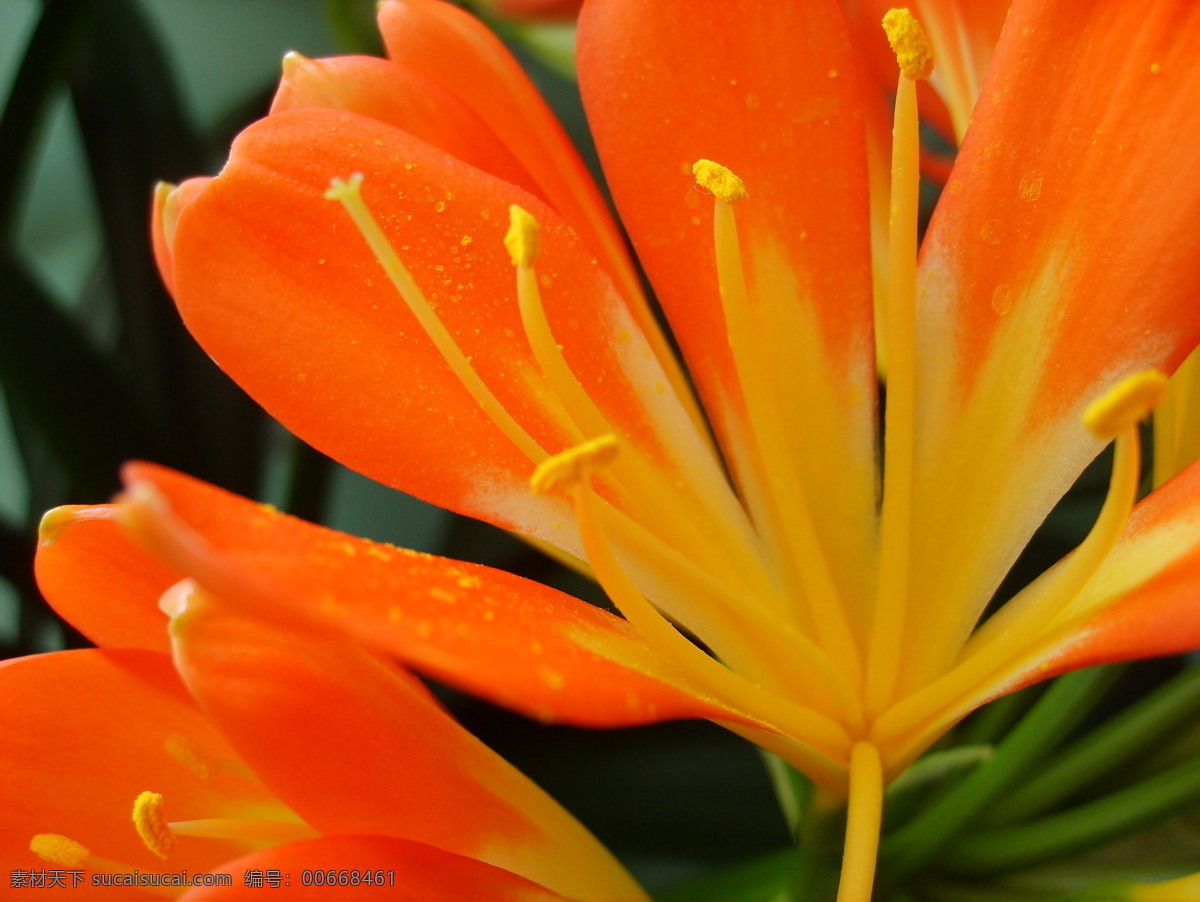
x=191, y=756
x=522, y=237
x=913, y=51
x=719, y=180
x=566, y=470
x=152, y=825
x=1126, y=403
x=344, y=189
x=58, y=849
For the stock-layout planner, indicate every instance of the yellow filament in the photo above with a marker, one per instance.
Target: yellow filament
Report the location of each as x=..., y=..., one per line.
x=262, y=833
x=863, y=820
x=1000, y=642
x=1125, y=404
x=913, y=51
x=58, y=849
x=1177, y=422
x=659, y=505
x=787, y=507
x=152, y=825
x=349, y=193
x=888, y=622
x=808, y=726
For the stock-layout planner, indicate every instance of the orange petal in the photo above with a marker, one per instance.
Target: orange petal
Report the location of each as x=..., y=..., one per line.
x=395, y=869
x=491, y=633
x=277, y=285
x=100, y=581
x=398, y=96
x=461, y=54
x=83, y=733
x=1061, y=258
x=1145, y=593
x=164, y=214
x=356, y=745
x=668, y=83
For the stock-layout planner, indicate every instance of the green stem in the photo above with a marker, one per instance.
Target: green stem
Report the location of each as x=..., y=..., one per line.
x=1079, y=829
x=1056, y=713
x=1103, y=750
x=819, y=841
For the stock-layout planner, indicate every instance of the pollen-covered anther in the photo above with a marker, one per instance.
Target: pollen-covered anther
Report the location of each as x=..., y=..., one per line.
x=344, y=189
x=55, y=848
x=522, y=237
x=151, y=824
x=914, y=53
x=1125, y=404
x=719, y=180
x=571, y=467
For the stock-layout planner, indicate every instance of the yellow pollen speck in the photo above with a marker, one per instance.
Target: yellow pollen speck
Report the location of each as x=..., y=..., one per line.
x=522, y=238
x=424, y=629
x=1155, y=68
x=719, y=180
x=833, y=73
x=1127, y=402
x=913, y=51
x=466, y=239
x=440, y=206
x=191, y=756
x=57, y=849
x=152, y=825
x=470, y=582
x=568, y=469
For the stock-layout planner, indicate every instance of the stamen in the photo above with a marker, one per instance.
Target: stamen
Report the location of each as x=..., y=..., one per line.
x=571, y=467
x=572, y=470
x=1125, y=404
x=720, y=181
x=863, y=820
x=888, y=622
x=58, y=849
x=787, y=512
x=913, y=51
x=522, y=237
x=191, y=756
x=1000, y=641
x=349, y=194
x=152, y=825
x=253, y=832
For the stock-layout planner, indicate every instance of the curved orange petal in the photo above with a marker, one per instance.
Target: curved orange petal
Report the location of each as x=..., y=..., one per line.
x=100, y=581
x=164, y=213
x=83, y=733
x=279, y=288
x=505, y=638
x=399, y=96
x=396, y=869
x=1061, y=258
x=668, y=83
x=356, y=745
x=460, y=53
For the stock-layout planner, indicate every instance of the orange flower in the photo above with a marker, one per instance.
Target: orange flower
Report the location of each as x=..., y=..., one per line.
x=1061, y=260
x=262, y=749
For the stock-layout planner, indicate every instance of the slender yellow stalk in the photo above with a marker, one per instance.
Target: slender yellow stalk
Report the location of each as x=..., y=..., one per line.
x=864, y=818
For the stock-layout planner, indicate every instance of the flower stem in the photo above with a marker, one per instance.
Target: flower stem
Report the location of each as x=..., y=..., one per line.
x=863, y=819
x=1056, y=713
x=1103, y=750
x=1085, y=827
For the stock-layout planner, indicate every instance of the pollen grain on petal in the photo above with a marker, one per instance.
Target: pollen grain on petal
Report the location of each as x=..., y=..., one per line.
x=1125, y=404
x=152, y=825
x=58, y=849
x=191, y=756
x=522, y=237
x=914, y=53
x=568, y=469
x=719, y=180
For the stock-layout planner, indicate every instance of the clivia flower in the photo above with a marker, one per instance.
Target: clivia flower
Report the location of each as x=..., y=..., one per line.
x=219, y=756
x=783, y=566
